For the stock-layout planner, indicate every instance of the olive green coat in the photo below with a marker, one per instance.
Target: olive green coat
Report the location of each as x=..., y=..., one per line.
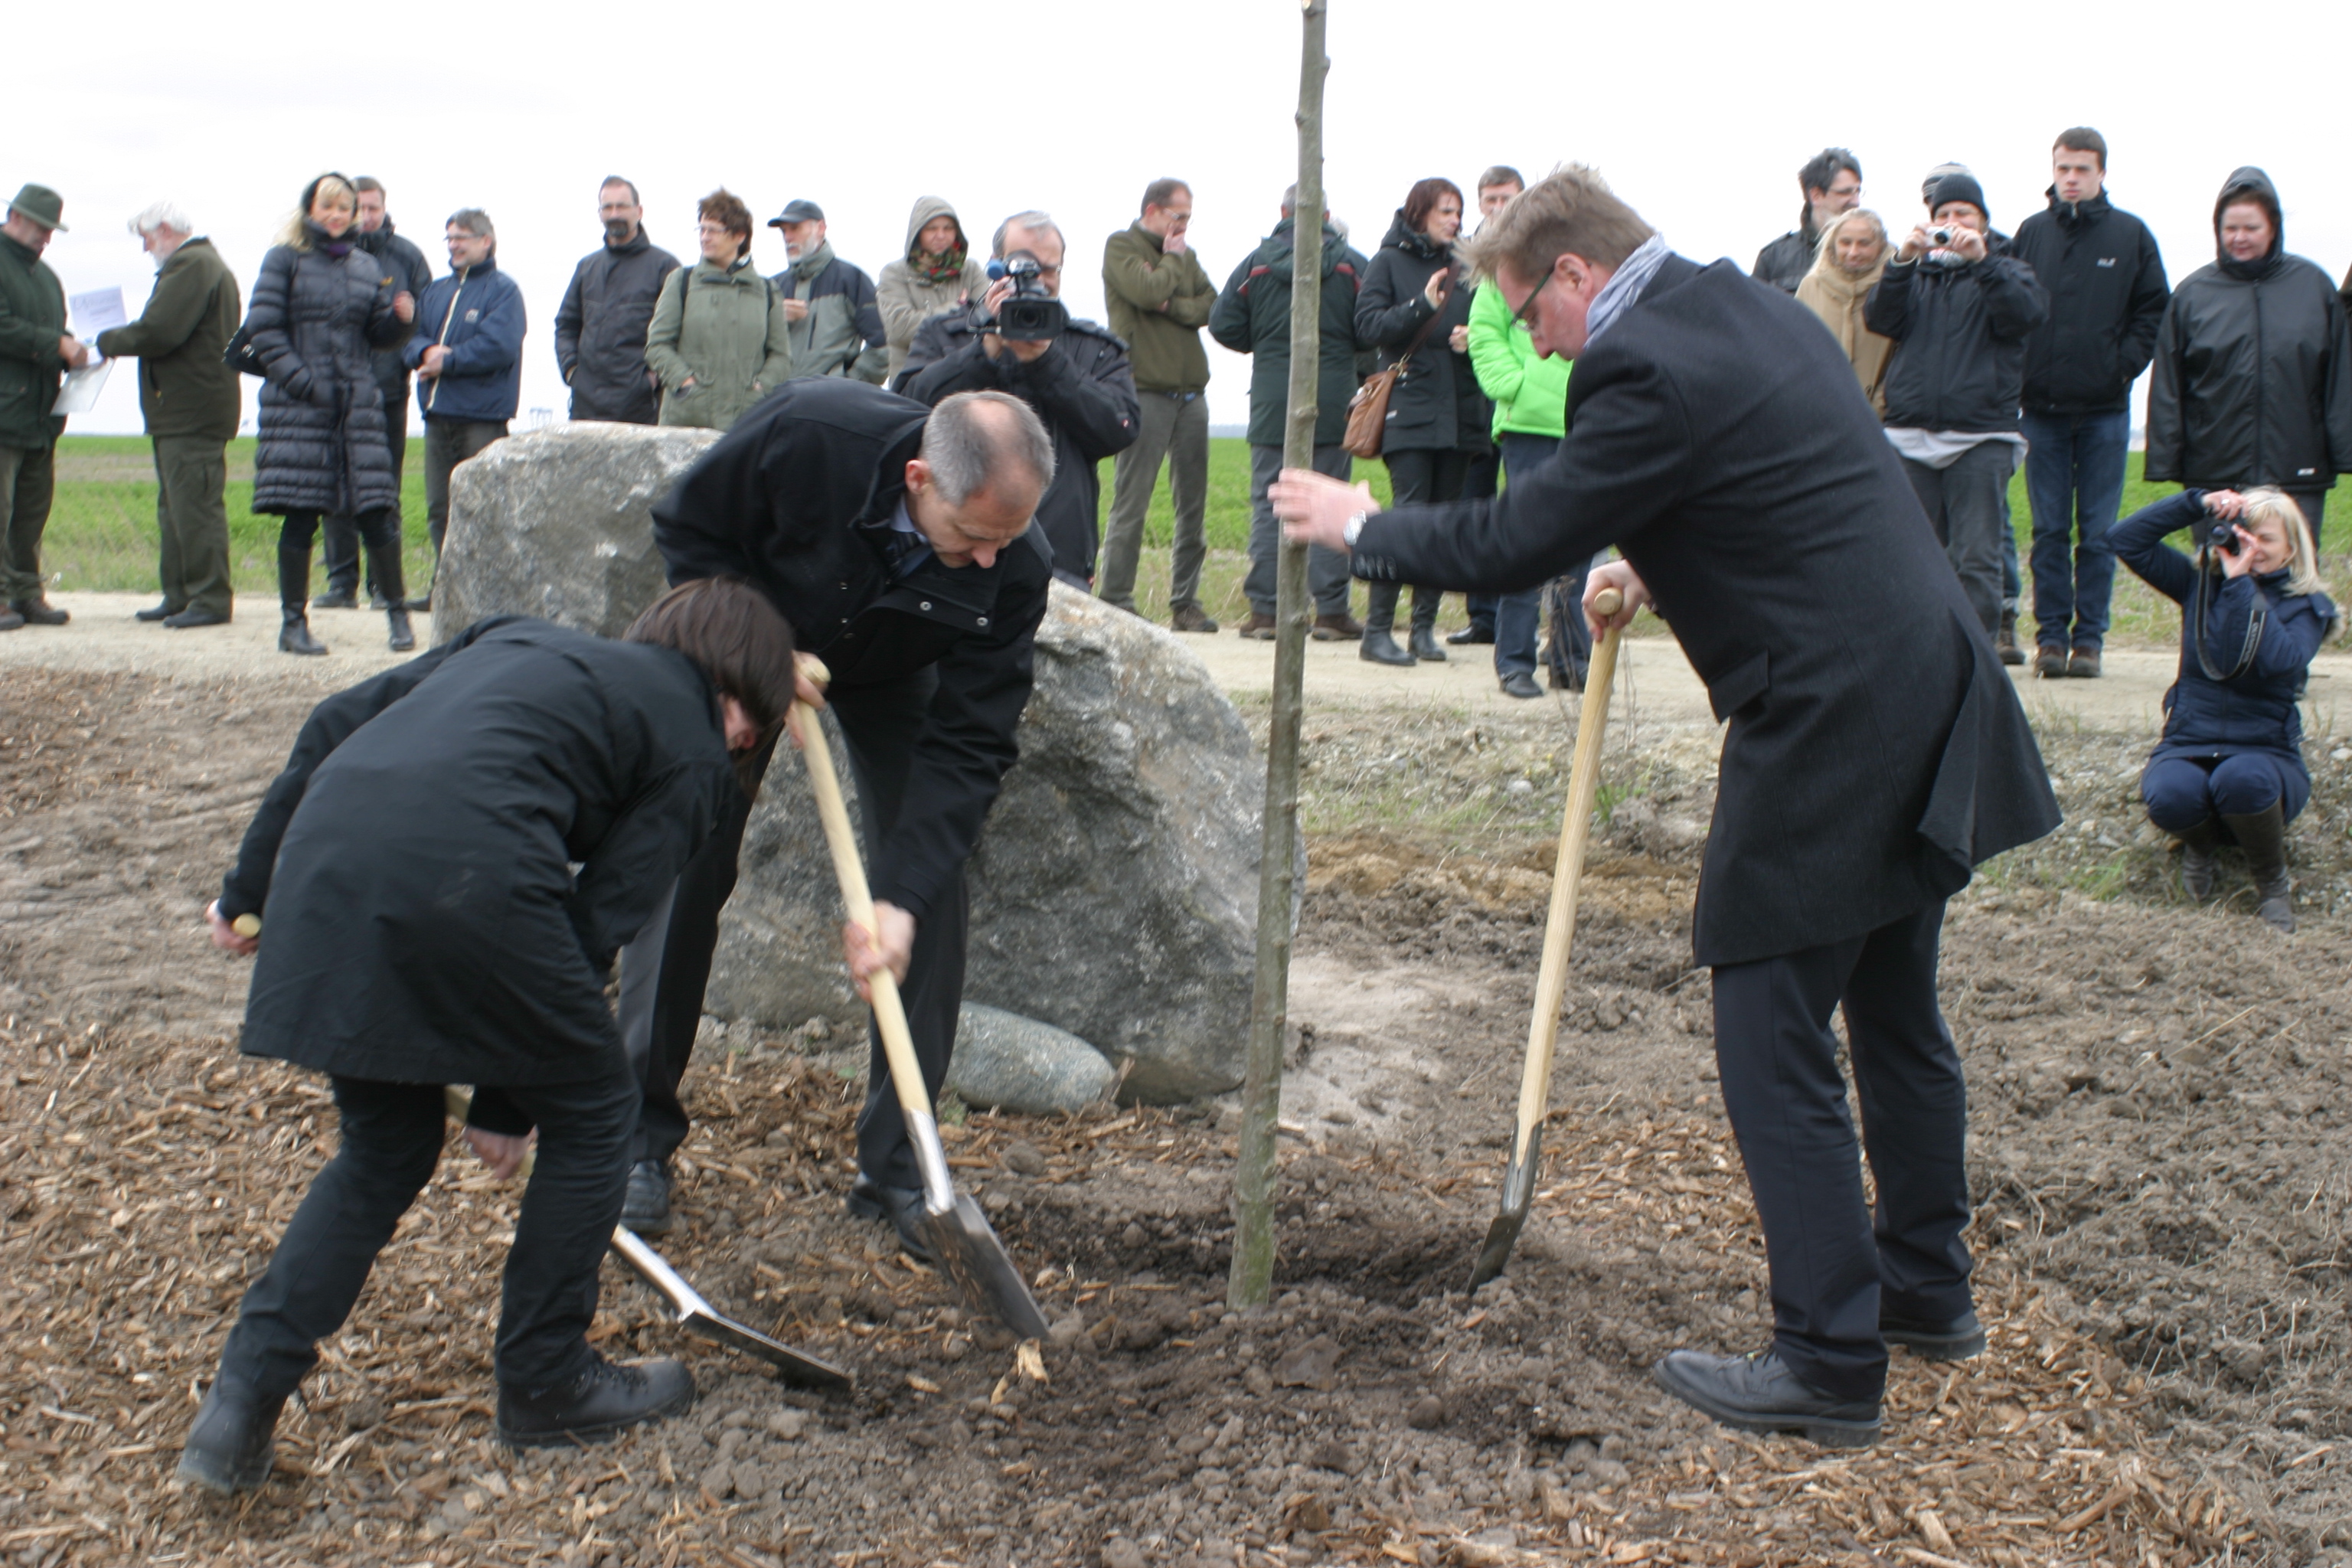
x=32, y=320
x=184, y=388
x=1159, y=303
x=724, y=329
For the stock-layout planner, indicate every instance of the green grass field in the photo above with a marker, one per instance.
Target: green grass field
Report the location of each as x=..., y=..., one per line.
x=101, y=533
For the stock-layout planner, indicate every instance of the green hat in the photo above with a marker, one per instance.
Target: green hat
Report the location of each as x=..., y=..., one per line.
x=42, y=204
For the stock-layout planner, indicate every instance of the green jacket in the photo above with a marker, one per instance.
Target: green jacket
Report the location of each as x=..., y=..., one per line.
x=729, y=335
x=184, y=388
x=1252, y=317
x=1159, y=303
x=32, y=320
x=1530, y=394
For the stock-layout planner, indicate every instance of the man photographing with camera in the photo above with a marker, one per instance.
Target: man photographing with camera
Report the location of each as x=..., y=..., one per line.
x=1021, y=339
x=1718, y=435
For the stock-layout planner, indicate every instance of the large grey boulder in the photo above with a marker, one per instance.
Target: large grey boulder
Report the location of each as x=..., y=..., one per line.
x=559, y=523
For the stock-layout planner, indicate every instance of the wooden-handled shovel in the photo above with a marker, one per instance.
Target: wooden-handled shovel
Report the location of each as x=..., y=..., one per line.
x=957, y=1234
x=1551, y=980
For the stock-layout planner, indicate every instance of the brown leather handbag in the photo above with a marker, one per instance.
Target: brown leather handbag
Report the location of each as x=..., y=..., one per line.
x=1367, y=411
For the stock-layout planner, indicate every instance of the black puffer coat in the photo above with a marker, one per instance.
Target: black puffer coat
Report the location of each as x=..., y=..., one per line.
x=1435, y=403
x=314, y=318
x=1959, y=337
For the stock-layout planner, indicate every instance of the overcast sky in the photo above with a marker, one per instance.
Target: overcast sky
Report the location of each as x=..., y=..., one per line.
x=1698, y=114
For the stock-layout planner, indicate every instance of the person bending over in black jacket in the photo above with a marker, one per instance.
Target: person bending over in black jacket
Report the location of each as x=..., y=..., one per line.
x=2229, y=767
x=425, y=833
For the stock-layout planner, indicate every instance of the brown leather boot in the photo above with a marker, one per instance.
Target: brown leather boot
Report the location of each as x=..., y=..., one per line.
x=1339, y=627
x=1259, y=627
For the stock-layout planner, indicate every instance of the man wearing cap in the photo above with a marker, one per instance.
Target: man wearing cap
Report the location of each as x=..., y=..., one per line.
x=190, y=401
x=835, y=325
x=1959, y=309
x=35, y=353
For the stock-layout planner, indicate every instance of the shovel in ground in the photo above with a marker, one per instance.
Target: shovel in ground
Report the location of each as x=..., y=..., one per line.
x=1551, y=980
x=691, y=1312
x=953, y=1227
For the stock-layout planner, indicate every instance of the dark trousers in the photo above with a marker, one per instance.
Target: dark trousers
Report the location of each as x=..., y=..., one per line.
x=2315, y=511
x=1174, y=429
x=28, y=482
x=1968, y=500
x=380, y=530
x=1327, y=580
x=447, y=443
x=1416, y=476
x=393, y=1135
x=1483, y=481
x=1836, y=1265
x=340, y=540
x=880, y=724
x=1519, y=615
x=2075, y=483
x=2182, y=793
x=192, y=522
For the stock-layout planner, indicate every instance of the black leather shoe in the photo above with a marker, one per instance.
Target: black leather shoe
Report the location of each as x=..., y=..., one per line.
x=232, y=1443
x=1379, y=647
x=194, y=617
x=403, y=635
x=336, y=599
x=1472, y=636
x=1521, y=684
x=645, y=1210
x=1955, y=1339
x=606, y=1398
x=1423, y=646
x=1758, y=1394
x=163, y=612
x=902, y=1206
x=40, y=613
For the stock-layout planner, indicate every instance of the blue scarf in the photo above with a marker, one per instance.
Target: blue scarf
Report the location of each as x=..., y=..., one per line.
x=1624, y=287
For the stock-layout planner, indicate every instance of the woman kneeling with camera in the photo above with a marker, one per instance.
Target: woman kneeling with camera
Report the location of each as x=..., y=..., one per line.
x=2229, y=767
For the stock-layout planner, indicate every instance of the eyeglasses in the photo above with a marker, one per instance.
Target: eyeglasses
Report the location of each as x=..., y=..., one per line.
x=1525, y=315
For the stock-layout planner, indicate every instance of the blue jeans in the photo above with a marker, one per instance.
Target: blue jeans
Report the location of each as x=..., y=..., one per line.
x=2075, y=481
x=1518, y=616
x=2182, y=792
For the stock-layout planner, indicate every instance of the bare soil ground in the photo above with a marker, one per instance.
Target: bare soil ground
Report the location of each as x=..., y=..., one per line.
x=2159, y=1163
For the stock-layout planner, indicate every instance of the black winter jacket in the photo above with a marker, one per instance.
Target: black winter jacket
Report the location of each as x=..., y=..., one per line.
x=410, y=274
x=2256, y=711
x=1435, y=404
x=1710, y=429
x=2106, y=281
x=2252, y=381
x=413, y=863
x=1784, y=263
x=1959, y=339
x=315, y=320
x=600, y=331
x=798, y=498
x=1252, y=316
x=1081, y=388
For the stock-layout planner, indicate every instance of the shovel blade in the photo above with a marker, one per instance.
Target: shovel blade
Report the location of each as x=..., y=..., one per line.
x=797, y=1367
x=1511, y=1210
x=967, y=1248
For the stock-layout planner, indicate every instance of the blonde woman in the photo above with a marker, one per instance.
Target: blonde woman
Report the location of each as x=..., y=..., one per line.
x=1849, y=259
x=319, y=306
x=718, y=340
x=2253, y=611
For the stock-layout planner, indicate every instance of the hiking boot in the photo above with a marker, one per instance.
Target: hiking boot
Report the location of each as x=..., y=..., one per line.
x=1259, y=627
x=2262, y=835
x=2199, y=848
x=1423, y=646
x=40, y=613
x=1191, y=618
x=2084, y=664
x=2007, y=641
x=1339, y=627
x=2050, y=663
x=646, y=1209
x=232, y=1443
x=1759, y=1394
x=1954, y=1339
x=608, y=1398
x=1379, y=647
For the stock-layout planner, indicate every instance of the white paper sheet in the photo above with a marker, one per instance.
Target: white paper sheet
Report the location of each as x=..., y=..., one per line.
x=92, y=313
x=79, y=394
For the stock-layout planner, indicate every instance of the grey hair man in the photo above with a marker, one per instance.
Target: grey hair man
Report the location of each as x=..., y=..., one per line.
x=191, y=402
x=34, y=357
x=895, y=539
x=468, y=355
x=1076, y=376
x=837, y=326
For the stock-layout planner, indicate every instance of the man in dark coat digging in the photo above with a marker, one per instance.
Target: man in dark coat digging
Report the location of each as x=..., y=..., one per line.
x=425, y=925
x=1875, y=753
x=896, y=539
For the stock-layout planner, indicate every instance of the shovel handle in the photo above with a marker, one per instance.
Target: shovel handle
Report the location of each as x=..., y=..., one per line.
x=1567, y=869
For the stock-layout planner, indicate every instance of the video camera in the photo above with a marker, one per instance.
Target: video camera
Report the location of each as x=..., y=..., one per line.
x=1030, y=315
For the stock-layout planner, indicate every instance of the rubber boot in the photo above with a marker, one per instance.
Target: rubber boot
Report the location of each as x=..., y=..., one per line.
x=1379, y=646
x=383, y=565
x=2197, y=847
x=2263, y=837
x=294, y=598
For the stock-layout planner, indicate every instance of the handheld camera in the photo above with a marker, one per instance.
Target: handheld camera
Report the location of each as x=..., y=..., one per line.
x=1030, y=315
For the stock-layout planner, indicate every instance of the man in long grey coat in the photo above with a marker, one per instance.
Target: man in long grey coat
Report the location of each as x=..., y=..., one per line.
x=1718, y=435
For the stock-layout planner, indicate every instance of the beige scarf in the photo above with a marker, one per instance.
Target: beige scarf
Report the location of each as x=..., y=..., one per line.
x=1836, y=296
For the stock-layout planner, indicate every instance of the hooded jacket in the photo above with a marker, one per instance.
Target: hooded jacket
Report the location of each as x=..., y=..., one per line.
x=722, y=328
x=316, y=320
x=2252, y=382
x=1158, y=304
x=1959, y=337
x=2107, y=294
x=1252, y=316
x=600, y=331
x=843, y=332
x=1435, y=404
x=185, y=388
x=1529, y=395
x=478, y=316
x=908, y=294
x=1838, y=298
x=32, y=320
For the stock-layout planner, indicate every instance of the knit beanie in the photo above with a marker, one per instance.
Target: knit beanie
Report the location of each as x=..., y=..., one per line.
x=1959, y=187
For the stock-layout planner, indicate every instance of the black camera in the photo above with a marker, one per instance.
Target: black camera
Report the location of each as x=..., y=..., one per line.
x=2224, y=538
x=1030, y=315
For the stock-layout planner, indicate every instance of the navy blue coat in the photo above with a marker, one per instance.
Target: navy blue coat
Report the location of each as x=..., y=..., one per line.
x=481, y=312
x=2256, y=711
